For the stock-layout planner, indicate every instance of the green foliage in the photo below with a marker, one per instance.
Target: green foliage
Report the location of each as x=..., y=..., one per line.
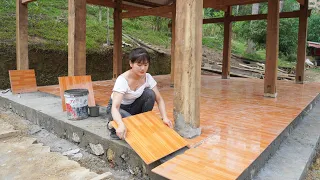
x=313, y=27
x=48, y=22
x=214, y=42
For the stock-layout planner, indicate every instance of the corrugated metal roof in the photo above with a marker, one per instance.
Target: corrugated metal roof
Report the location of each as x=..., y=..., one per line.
x=313, y=44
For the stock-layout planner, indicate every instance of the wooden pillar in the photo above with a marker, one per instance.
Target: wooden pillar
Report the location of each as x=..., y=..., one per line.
x=272, y=49
x=187, y=75
x=302, y=40
x=227, y=44
x=117, y=41
x=22, y=35
x=173, y=29
x=77, y=37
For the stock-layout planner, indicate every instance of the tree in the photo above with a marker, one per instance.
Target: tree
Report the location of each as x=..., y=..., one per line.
x=250, y=43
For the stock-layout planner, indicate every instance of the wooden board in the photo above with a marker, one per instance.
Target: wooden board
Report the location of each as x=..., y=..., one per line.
x=76, y=82
x=150, y=137
x=22, y=81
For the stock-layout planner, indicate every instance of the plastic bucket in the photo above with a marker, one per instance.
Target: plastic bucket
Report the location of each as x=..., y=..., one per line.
x=76, y=103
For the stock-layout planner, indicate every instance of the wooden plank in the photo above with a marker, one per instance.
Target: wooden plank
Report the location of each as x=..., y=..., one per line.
x=76, y=37
x=76, y=82
x=117, y=47
x=173, y=36
x=22, y=81
x=227, y=44
x=272, y=49
x=22, y=35
x=293, y=14
x=27, y=1
x=150, y=138
x=302, y=41
x=188, y=55
x=157, y=11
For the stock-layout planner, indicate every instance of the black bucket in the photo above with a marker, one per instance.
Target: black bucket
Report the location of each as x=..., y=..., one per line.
x=76, y=103
x=94, y=111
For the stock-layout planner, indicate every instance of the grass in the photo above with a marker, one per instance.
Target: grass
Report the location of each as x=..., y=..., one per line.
x=317, y=69
x=48, y=20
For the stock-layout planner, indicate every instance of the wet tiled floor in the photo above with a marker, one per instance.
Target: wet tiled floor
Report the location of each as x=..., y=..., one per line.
x=237, y=121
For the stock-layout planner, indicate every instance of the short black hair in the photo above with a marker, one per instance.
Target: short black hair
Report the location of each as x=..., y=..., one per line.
x=139, y=55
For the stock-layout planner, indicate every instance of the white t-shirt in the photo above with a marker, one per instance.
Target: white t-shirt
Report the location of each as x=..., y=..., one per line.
x=129, y=96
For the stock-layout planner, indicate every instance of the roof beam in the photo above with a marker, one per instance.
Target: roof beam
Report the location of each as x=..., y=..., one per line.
x=301, y=2
x=111, y=4
x=223, y=4
x=26, y=1
x=158, y=11
x=144, y=3
x=293, y=14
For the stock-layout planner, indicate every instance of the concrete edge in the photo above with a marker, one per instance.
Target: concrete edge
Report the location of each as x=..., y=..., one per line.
x=259, y=163
x=122, y=156
x=310, y=160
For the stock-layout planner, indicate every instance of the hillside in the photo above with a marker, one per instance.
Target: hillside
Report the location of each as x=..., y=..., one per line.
x=48, y=33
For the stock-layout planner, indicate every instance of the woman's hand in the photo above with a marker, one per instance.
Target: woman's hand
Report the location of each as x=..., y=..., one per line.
x=121, y=131
x=168, y=122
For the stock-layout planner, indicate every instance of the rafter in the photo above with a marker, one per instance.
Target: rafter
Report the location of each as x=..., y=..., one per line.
x=223, y=4
x=158, y=11
x=111, y=4
x=27, y=1
x=144, y=3
x=301, y=2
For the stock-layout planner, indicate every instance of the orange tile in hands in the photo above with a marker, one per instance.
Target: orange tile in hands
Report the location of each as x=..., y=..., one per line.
x=22, y=81
x=150, y=137
x=76, y=82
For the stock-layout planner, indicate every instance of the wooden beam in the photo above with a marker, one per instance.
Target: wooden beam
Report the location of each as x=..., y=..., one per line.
x=144, y=3
x=302, y=40
x=222, y=4
x=293, y=14
x=77, y=37
x=111, y=4
x=187, y=75
x=227, y=44
x=27, y=1
x=272, y=49
x=158, y=11
x=238, y=2
x=117, y=47
x=173, y=35
x=22, y=36
x=301, y=2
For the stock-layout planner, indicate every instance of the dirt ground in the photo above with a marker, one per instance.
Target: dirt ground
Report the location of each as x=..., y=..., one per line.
x=60, y=146
x=312, y=76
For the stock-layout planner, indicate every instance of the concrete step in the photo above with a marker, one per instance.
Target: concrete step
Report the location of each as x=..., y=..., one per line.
x=296, y=152
x=45, y=110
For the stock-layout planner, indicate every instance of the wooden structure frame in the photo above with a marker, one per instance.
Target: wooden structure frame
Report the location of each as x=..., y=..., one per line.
x=186, y=42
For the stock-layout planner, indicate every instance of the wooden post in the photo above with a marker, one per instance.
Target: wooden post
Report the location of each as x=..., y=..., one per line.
x=22, y=35
x=77, y=37
x=173, y=29
x=272, y=49
x=117, y=41
x=302, y=40
x=227, y=44
x=187, y=75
